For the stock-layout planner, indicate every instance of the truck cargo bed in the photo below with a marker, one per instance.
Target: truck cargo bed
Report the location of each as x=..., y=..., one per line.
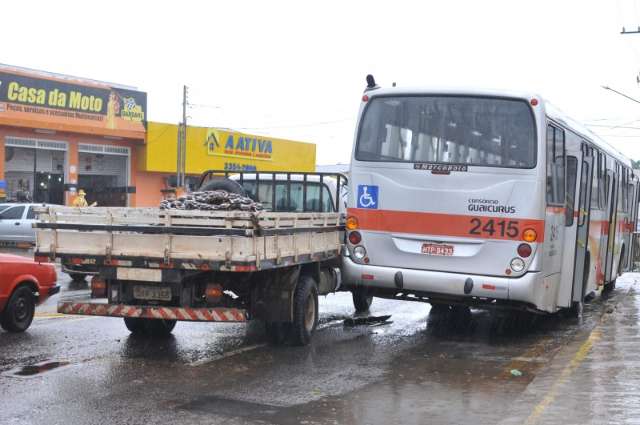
x=211, y=240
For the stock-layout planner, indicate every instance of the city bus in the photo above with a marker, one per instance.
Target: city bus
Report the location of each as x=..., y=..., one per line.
x=488, y=199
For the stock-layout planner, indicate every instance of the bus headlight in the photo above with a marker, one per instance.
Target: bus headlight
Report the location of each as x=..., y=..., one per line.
x=517, y=264
x=359, y=252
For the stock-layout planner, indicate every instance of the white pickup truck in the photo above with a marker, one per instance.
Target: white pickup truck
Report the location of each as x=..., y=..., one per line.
x=156, y=267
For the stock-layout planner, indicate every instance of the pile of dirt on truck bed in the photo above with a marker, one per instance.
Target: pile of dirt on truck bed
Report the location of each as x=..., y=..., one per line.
x=212, y=200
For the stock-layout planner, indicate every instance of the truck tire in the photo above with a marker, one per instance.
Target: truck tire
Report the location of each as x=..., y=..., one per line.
x=151, y=327
x=77, y=277
x=305, y=311
x=18, y=314
x=362, y=299
x=228, y=185
x=277, y=332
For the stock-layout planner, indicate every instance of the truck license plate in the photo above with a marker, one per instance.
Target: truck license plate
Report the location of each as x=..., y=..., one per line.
x=158, y=293
x=437, y=249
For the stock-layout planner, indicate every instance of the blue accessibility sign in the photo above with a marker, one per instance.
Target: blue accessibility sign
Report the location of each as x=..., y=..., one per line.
x=367, y=196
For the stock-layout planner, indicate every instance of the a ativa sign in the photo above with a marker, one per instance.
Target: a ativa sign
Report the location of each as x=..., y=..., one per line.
x=238, y=145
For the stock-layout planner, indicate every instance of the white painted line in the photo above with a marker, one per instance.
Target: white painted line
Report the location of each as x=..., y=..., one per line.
x=227, y=354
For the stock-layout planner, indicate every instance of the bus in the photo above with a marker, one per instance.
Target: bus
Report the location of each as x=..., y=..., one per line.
x=488, y=199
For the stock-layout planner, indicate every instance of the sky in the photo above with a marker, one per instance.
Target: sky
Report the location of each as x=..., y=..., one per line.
x=295, y=69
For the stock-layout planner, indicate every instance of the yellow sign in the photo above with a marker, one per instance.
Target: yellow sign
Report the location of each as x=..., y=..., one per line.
x=238, y=145
x=217, y=149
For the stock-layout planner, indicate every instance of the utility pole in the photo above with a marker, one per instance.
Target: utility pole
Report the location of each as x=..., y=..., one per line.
x=182, y=143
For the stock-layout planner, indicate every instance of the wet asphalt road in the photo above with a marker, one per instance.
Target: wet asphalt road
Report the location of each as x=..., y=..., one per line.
x=405, y=372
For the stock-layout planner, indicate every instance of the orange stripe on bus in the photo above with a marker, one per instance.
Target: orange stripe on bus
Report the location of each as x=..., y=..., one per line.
x=438, y=224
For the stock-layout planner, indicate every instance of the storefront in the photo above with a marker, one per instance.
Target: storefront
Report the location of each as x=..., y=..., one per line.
x=59, y=134
x=212, y=149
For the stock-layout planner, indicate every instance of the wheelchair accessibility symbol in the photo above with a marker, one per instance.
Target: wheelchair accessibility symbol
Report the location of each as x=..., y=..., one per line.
x=367, y=196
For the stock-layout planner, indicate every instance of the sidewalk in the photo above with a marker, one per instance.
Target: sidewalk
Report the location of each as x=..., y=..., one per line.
x=595, y=379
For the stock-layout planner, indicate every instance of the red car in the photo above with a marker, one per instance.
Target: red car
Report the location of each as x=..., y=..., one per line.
x=23, y=284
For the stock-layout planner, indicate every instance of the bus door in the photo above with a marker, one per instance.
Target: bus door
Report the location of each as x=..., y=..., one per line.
x=582, y=217
x=634, y=251
x=614, y=177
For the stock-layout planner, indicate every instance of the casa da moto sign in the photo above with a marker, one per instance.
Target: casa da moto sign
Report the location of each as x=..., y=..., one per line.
x=72, y=105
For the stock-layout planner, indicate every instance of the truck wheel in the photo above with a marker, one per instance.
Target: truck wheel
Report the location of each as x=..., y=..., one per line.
x=153, y=327
x=305, y=311
x=135, y=325
x=159, y=327
x=277, y=332
x=18, y=314
x=77, y=277
x=361, y=299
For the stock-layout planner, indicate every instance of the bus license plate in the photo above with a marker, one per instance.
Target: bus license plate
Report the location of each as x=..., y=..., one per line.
x=437, y=249
x=158, y=293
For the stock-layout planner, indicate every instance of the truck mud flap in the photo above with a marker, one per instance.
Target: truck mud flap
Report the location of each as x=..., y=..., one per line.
x=155, y=312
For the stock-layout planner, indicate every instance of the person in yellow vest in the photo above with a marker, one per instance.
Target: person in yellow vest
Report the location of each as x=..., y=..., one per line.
x=79, y=200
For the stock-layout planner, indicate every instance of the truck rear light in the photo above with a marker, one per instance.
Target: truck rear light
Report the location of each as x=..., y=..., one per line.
x=98, y=287
x=355, y=238
x=524, y=250
x=213, y=293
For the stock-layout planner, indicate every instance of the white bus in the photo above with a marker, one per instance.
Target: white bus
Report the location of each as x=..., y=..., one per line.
x=486, y=199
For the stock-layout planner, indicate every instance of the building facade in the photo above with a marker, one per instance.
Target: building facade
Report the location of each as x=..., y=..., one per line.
x=61, y=133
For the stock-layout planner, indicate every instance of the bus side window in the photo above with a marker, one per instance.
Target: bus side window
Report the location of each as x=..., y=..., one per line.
x=555, y=166
x=572, y=172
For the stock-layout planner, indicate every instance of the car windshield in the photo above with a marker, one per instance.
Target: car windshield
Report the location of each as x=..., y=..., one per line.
x=448, y=130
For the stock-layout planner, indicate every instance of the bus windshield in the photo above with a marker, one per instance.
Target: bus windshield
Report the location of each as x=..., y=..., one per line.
x=448, y=130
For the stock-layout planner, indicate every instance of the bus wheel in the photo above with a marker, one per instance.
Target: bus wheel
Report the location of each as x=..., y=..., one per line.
x=361, y=299
x=305, y=311
x=608, y=287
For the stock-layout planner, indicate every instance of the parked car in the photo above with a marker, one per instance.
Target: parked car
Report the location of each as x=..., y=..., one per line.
x=16, y=222
x=24, y=283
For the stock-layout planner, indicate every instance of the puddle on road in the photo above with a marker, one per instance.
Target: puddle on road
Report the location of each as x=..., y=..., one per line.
x=36, y=369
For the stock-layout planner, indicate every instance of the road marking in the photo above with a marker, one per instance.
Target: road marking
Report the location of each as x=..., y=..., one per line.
x=227, y=354
x=576, y=361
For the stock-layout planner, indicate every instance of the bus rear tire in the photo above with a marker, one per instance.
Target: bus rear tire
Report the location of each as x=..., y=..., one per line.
x=361, y=299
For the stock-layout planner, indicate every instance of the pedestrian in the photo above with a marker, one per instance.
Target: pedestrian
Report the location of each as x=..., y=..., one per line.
x=79, y=200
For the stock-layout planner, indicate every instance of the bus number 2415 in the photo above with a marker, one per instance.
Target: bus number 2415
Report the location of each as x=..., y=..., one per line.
x=500, y=228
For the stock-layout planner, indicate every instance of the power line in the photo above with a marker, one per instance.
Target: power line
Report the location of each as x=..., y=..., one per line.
x=613, y=127
x=620, y=93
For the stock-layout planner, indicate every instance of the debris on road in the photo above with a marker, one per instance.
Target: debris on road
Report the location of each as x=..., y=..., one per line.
x=367, y=320
x=516, y=372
